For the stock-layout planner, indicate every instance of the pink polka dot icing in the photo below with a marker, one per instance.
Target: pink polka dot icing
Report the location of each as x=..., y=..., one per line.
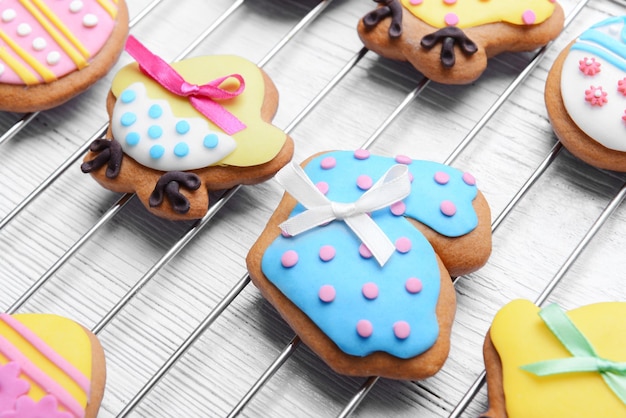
x=451, y=19
x=449, y=1
x=289, y=259
x=398, y=208
x=328, y=163
x=413, y=285
x=448, y=208
x=364, y=328
x=529, y=17
x=416, y=2
x=322, y=186
x=364, y=251
x=364, y=182
x=469, y=179
x=402, y=330
x=403, y=159
x=327, y=293
x=403, y=245
x=327, y=253
x=441, y=177
x=370, y=290
x=361, y=154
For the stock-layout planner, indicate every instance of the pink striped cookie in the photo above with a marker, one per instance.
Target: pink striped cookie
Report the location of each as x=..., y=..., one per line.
x=50, y=367
x=50, y=51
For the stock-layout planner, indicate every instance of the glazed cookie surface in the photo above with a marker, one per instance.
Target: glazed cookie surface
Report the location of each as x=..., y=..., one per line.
x=50, y=367
x=204, y=127
x=450, y=41
x=376, y=299
x=586, y=95
x=550, y=363
x=53, y=50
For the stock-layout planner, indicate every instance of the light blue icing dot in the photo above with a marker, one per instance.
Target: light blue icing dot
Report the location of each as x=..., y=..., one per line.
x=132, y=138
x=155, y=111
x=182, y=127
x=181, y=149
x=155, y=131
x=128, y=96
x=157, y=151
x=128, y=119
x=210, y=141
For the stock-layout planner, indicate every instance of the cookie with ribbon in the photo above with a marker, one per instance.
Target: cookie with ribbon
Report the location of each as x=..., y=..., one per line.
x=547, y=363
x=50, y=367
x=450, y=41
x=586, y=95
x=179, y=131
x=357, y=258
x=50, y=50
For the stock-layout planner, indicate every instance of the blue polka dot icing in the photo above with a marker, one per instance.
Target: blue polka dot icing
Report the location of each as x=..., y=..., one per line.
x=400, y=321
x=161, y=132
x=155, y=131
x=155, y=111
x=128, y=96
x=132, y=138
x=156, y=151
x=181, y=149
x=128, y=119
x=182, y=127
x=211, y=141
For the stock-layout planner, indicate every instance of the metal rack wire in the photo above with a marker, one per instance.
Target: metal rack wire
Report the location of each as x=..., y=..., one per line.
x=187, y=233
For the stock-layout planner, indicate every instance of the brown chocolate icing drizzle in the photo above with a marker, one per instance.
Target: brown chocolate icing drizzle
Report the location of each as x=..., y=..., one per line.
x=391, y=8
x=449, y=36
x=110, y=153
x=169, y=186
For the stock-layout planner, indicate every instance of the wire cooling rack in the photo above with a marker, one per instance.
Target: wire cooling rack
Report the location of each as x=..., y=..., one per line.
x=184, y=332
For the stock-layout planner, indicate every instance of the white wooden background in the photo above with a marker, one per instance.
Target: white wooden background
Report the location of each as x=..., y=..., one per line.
x=529, y=247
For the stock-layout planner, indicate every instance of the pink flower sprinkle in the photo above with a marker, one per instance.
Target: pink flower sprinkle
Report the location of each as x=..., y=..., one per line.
x=596, y=96
x=621, y=86
x=589, y=66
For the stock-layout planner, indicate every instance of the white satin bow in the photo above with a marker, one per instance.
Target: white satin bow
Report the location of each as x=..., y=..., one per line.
x=392, y=187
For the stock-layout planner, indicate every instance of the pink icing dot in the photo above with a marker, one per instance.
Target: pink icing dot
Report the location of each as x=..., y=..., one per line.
x=364, y=182
x=469, y=179
x=447, y=208
x=285, y=234
x=449, y=1
x=441, y=177
x=364, y=251
x=361, y=154
x=413, y=285
x=402, y=329
x=403, y=245
x=289, y=258
x=416, y=2
x=529, y=17
x=398, y=208
x=322, y=186
x=403, y=159
x=364, y=328
x=411, y=177
x=451, y=19
x=327, y=252
x=327, y=293
x=370, y=290
x=328, y=163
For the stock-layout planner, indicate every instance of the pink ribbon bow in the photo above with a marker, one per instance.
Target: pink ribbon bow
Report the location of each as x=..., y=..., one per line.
x=202, y=97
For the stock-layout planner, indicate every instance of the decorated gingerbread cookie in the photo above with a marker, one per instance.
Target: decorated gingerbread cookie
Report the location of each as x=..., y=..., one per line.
x=52, y=50
x=586, y=95
x=547, y=363
x=179, y=131
x=449, y=41
x=358, y=256
x=49, y=367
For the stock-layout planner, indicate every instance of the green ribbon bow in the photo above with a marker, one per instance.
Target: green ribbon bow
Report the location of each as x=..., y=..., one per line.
x=585, y=357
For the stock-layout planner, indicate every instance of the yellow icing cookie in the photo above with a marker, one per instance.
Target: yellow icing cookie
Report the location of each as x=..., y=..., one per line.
x=521, y=337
